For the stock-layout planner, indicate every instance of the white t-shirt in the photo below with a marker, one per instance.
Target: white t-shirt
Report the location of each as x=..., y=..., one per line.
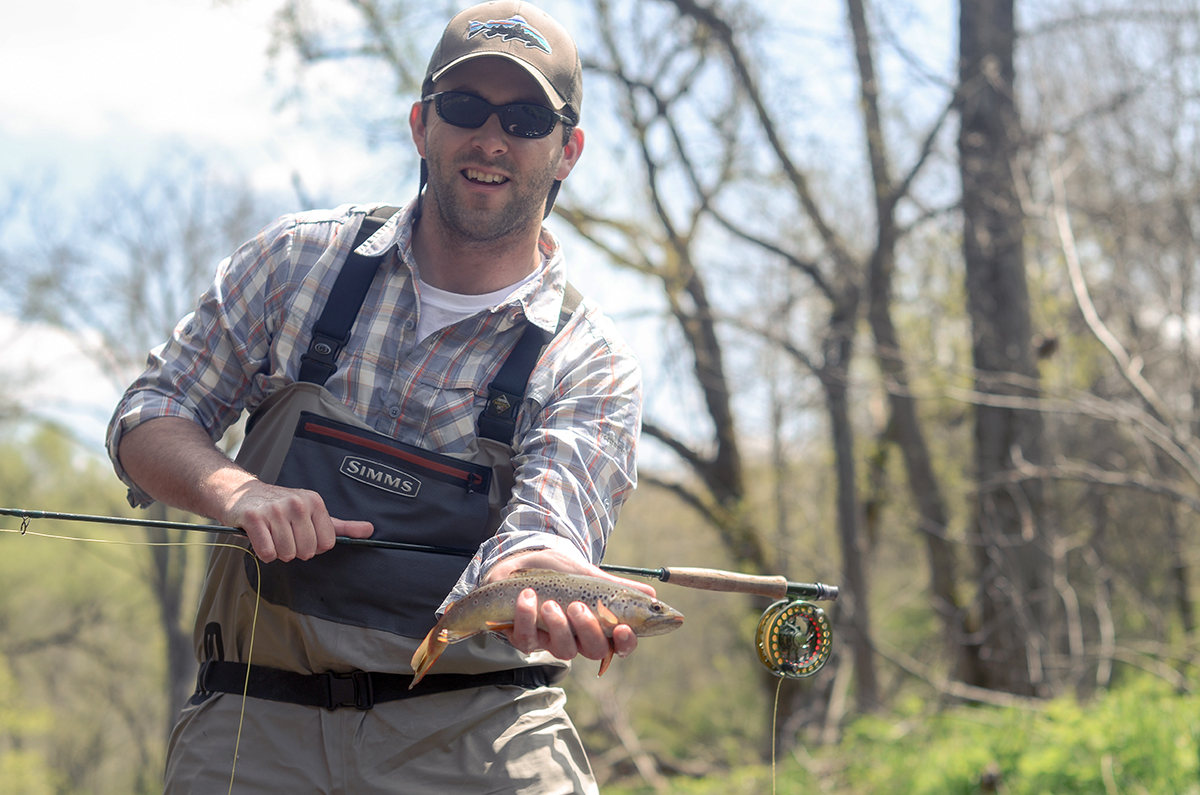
x=440, y=308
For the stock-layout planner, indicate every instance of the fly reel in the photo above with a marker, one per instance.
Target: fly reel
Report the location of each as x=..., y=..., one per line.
x=793, y=639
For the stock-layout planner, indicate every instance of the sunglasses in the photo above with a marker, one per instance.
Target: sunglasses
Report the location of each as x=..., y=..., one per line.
x=522, y=119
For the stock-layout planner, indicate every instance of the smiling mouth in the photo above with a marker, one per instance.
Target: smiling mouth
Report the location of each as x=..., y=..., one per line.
x=482, y=178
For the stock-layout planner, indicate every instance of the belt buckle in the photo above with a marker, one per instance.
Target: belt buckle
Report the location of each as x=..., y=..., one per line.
x=351, y=689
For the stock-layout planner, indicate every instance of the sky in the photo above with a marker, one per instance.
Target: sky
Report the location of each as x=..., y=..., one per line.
x=94, y=89
x=113, y=88
x=107, y=86
x=97, y=89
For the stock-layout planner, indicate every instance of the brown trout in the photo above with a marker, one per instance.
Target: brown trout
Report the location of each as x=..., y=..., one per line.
x=491, y=609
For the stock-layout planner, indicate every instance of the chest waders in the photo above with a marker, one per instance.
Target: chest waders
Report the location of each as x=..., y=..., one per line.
x=357, y=613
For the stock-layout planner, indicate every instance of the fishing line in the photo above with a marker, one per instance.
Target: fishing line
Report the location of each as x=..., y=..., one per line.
x=774, y=728
x=793, y=640
x=24, y=530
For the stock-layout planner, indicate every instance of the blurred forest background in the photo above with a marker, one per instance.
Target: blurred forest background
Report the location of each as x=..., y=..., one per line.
x=920, y=283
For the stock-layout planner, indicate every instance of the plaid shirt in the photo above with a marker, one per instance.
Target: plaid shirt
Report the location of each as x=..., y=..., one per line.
x=577, y=429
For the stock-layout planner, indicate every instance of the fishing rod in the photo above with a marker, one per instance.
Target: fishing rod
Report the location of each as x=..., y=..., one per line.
x=793, y=638
x=163, y=524
x=700, y=578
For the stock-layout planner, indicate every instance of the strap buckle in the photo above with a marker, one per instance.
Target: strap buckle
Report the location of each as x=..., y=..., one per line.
x=320, y=361
x=499, y=418
x=202, y=679
x=351, y=689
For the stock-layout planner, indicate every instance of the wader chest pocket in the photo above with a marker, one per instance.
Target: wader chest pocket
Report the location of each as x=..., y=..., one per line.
x=409, y=495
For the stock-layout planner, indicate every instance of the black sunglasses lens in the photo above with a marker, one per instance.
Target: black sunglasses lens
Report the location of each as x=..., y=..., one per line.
x=519, y=119
x=463, y=110
x=529, y=121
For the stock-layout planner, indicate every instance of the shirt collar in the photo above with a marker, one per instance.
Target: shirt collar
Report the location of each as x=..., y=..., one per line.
x=540, y=301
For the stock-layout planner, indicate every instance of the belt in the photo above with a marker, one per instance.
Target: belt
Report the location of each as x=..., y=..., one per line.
x=358, y=689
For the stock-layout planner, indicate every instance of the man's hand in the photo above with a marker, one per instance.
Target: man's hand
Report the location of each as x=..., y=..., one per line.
x=286, y=524
x=564, y=632
x=174, y=461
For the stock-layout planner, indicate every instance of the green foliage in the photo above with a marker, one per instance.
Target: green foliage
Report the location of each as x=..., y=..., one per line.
x=22, y=772
x=1140, y=738
x=79, y=636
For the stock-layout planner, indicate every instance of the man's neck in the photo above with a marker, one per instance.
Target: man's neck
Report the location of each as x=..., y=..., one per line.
x=448, y=263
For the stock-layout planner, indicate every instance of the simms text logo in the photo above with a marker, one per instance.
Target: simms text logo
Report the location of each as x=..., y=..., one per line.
x=380, y=476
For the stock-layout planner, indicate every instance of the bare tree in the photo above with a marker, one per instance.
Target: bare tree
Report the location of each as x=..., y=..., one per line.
x=1012, y=560
x=909, y=435
x=127, y=269
x=1112, y=178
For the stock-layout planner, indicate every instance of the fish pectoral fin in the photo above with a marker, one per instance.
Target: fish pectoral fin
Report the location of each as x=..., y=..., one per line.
x=606, y=661
x=608, y=619
x=498, y=626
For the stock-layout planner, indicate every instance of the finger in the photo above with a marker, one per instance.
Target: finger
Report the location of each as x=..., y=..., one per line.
x=261, y=540
x=589, y=635
x=524, y=634
x=304, y=537
x=284, y=539
x=353, y=528
x=623, y=640
x=326, y=534
x=560, y=636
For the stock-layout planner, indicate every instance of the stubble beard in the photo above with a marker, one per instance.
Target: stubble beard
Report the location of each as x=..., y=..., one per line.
x=469, y=225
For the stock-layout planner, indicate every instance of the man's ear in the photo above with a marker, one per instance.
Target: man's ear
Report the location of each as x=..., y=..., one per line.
x=571, y=152
x=416, y=123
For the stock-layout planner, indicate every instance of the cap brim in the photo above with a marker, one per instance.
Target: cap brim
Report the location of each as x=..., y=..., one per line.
x=555, y=98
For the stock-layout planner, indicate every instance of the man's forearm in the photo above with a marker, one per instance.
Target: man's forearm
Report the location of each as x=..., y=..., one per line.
x=174, y=461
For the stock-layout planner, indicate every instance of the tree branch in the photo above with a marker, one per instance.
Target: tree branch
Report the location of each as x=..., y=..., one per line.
x=1130, y=367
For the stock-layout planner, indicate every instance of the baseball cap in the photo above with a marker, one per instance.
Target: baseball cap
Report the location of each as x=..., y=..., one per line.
x=522, y=33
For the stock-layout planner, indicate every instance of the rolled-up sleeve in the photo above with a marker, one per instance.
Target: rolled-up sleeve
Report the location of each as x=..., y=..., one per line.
x=206, y=371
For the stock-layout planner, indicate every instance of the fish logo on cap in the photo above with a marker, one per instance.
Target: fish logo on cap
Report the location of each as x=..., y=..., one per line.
x=508, y=29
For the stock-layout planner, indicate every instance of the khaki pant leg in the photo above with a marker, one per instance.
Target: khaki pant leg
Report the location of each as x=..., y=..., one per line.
x=279, y=749
x=492, y=739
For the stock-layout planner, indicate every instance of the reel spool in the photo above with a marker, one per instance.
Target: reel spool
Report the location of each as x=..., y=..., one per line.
x=793, y=639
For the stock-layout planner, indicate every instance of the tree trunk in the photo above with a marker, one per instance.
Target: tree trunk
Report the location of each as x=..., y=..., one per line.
x=834, y=375
x=169, y=570
x=922, y=482
x=1012, y=564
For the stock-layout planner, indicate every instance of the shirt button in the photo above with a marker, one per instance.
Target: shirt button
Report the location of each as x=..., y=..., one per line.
x=410, y=324
x=394, y=412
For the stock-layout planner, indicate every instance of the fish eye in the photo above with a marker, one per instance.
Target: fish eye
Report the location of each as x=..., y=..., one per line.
x=656, y=607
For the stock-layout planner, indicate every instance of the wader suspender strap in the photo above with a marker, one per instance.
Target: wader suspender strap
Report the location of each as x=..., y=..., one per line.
x=331, y=332
x=499, y=418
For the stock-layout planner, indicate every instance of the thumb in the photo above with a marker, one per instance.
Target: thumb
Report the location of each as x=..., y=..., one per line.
x=352, y=529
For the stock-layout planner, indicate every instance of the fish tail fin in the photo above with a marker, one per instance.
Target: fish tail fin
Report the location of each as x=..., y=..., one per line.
x=427, y=653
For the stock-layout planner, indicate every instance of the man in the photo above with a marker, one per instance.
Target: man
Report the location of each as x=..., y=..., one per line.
x=463, y=401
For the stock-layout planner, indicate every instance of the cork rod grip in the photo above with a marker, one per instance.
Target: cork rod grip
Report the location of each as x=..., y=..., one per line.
x=717, y=580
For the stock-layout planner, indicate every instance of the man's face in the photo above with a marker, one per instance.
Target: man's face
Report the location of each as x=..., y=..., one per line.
x=485, y=184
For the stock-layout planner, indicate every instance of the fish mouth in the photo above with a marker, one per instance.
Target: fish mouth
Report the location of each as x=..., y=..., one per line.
x=660, y=625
